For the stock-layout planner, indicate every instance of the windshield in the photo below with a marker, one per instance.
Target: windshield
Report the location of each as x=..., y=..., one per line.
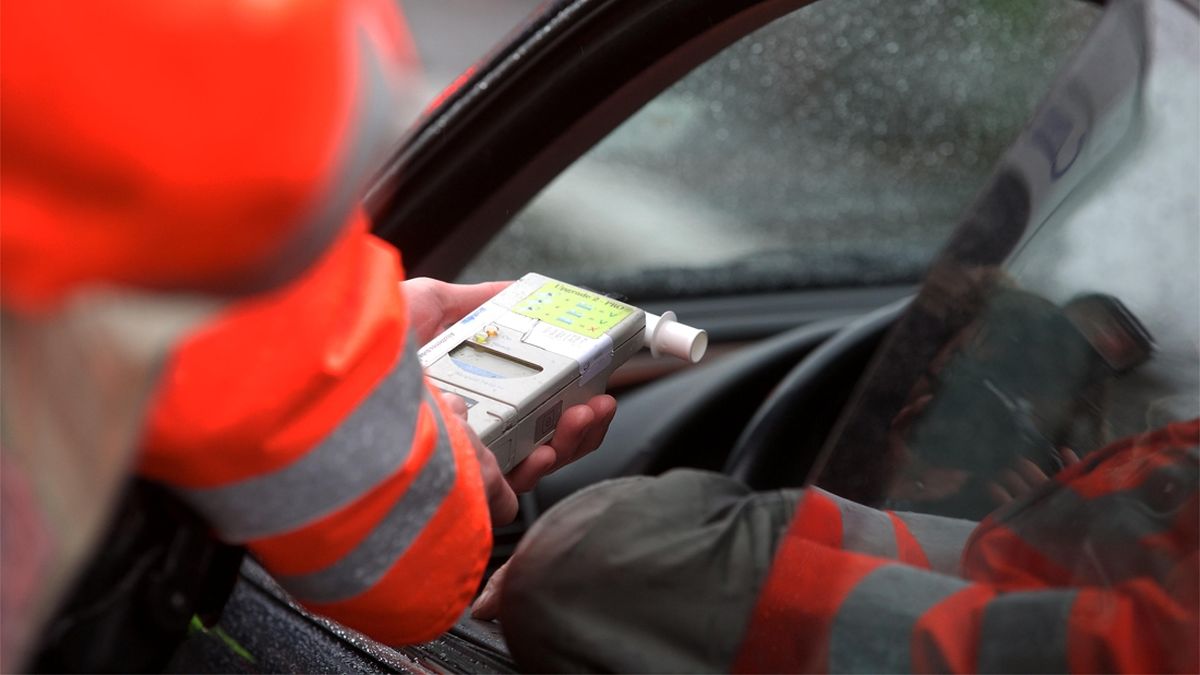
x=833, y=147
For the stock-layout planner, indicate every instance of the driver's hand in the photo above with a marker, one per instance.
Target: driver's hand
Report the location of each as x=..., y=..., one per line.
x=580, y=431
x=1024, y=477
x=487, y=606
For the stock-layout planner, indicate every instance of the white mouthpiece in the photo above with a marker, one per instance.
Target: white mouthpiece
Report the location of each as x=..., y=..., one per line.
x=665, y=335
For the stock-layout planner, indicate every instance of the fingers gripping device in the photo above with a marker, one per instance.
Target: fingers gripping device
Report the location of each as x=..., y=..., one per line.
x=538, y=348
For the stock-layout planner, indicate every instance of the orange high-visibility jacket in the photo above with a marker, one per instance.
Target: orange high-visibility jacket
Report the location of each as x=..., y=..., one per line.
x=222, y=147
x=1097, y=571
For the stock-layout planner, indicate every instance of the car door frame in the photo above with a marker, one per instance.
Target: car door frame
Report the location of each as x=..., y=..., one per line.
x=513, y=122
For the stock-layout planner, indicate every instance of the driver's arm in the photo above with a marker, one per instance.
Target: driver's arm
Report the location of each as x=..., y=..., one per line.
x=848, y=612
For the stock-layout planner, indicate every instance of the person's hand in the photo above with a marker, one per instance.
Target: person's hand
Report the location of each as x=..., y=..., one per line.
x=434, y=306
x=1023, y=478
x=487, y=606
x=580, y=431
x=502, y=501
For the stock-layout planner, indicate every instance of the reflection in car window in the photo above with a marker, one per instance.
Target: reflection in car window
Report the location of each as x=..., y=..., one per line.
x=833, y=147
x=1131, y=231
x=1040, y=395
x=1065, y=314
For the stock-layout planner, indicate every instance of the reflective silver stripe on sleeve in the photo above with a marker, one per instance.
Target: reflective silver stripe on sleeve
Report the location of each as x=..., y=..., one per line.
x=872, y=632
x=1097, y=539
x=1026, y=632
x=365, y=565
x=365, y=449
x=864, y=529
x=942, y=539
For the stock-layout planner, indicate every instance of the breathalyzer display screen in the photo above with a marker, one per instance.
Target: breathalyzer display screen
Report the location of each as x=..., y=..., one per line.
x=486, y=363
x=574, y=309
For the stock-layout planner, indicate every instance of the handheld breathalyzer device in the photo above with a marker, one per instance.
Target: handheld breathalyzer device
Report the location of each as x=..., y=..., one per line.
x=539, y=347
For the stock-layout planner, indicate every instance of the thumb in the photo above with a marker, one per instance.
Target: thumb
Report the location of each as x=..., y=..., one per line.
x=487, y=605
x=456, y=404
x=458, y=300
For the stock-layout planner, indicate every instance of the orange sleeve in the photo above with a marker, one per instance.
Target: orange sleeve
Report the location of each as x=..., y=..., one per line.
x=213, y=146
x=829, y=610
x=221, y=146
x=1095, y=572
x=300, y=424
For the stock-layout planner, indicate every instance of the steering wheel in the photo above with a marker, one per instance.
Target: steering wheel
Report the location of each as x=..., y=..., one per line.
x=784, y=438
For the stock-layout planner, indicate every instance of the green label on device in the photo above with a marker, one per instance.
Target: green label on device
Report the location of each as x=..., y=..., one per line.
x=573, y=309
